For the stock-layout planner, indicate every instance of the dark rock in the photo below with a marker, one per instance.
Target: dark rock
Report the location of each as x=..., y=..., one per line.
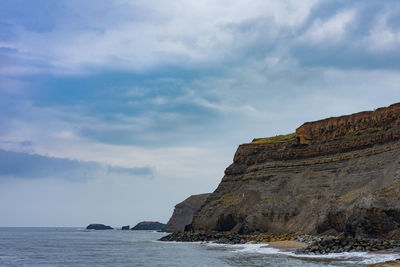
x=222, y=237
x=183, y=213
x=147, y=225
x=337, y=176
x=330, y=245
x=96, y=226
x=125, y=227
x=188, y=228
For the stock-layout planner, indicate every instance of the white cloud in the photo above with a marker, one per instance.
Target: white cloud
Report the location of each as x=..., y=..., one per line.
x=265, y=92
x=382, y=38
x=171, y=32
x=331, y=30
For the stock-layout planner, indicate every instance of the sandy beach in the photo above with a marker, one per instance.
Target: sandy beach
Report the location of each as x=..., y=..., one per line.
x=395, y=263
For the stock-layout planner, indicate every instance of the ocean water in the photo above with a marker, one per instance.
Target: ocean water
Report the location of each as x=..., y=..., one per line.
x=80, y=247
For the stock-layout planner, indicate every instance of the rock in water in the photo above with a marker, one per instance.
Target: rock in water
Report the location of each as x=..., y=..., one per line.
x=96, y=226
x=183, y=212
x=125, y=227
x=337, y=175
x=148, y=226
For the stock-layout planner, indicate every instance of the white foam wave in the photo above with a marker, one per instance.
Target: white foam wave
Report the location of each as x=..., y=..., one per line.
x=358, y=257
x=177, y=242
x=345, y=257
x=248, y=248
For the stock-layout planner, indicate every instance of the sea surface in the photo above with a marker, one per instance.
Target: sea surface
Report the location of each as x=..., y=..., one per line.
x=81, y=247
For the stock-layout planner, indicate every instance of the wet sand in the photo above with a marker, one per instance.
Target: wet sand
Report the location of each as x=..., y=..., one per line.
x=395, y=263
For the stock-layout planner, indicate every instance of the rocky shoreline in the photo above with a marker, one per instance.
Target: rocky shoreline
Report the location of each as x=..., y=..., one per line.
x=329, y=244
x=336, y=176
x=224, y=238
x=316, y=245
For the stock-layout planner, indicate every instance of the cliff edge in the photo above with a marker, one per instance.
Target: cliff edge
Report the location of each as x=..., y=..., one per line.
x=183, y=212
x=334, y=176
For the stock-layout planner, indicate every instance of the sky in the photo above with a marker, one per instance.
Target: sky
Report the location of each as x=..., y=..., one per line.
x=114, y=111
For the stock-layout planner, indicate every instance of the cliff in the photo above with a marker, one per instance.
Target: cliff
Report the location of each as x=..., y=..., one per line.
x=334, y=176
x=147, y=225
x=183, y=212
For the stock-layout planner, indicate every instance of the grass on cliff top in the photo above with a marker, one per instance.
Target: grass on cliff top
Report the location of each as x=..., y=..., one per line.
x=274, y=139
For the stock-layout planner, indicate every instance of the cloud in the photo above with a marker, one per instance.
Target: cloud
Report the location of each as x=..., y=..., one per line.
x=167, y=90
x=333, y=29
x=131, y=171
x=33, y=166
x=382, y=38
x=154, y=33
x=142, y=36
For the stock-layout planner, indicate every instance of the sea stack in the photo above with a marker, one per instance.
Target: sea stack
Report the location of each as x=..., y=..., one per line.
x=148, y=225
x=97, y=226
x=334, y=176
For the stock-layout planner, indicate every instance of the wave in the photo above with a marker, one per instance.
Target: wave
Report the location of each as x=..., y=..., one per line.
x=345, y=257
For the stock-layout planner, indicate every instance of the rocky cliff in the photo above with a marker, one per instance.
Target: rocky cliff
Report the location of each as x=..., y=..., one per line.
x=183, y=212
x=334, y=176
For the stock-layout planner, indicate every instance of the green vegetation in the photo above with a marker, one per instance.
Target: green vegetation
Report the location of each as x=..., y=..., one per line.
x=225, y=199
x=267, y=201
x=275, y=139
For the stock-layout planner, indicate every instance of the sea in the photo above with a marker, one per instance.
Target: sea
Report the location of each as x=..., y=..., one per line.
x=52, y=246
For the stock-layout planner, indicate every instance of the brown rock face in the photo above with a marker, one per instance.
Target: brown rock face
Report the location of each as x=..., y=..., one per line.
x=367, y=124
x=338, y=175
x=183, y=212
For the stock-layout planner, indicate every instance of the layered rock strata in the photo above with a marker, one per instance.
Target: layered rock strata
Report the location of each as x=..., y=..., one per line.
x=334, y=176
x=183, y=212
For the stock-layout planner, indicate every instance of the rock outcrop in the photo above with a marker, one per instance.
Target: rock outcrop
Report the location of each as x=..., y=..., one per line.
x=337, y=176
x=146, y=225
x=97, y=226
x=126, y=227
x=183, y=212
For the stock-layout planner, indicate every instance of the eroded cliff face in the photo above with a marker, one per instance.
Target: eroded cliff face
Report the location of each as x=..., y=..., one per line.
x=338, y=175
x=183, y=212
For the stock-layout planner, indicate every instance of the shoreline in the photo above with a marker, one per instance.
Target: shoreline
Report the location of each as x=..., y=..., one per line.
x=301, y=246
x=285, y=246
x=306, y=244
x=394, y=263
